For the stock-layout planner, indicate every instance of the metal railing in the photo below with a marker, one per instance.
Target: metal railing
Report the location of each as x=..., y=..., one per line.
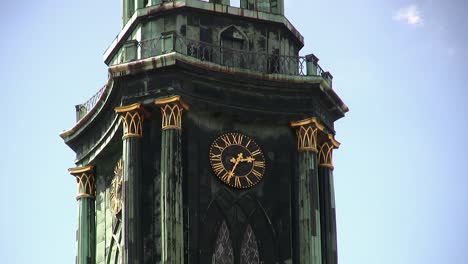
x=244, y=59
x=249, y=60
x=83, y=109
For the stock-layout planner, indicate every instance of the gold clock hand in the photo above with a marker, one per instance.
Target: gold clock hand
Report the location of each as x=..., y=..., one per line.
x=231, y=173
x=248, y=159
x=236, y=162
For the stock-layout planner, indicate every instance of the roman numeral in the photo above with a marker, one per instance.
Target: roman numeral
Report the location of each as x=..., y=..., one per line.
x=259, y=164
x=249, y=182
x=237, y=182
x=221, y=149
x=215, y=157
x=225, y=176
x=256, y=152
x=226, y=140
x=257, y=174
x=237, y=140
x=218, y=168
x=248, y=143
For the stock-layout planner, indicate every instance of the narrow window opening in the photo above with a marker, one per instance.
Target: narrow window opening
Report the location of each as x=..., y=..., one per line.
x=249, y=248
x=223, y=252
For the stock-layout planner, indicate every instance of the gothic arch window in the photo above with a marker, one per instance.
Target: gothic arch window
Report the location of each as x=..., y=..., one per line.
x=223, y=251
x=249, y=249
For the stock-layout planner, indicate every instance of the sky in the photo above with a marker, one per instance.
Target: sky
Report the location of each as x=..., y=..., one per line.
x=401, y=67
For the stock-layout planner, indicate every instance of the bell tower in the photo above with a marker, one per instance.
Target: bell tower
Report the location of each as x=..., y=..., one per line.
x=211, y=141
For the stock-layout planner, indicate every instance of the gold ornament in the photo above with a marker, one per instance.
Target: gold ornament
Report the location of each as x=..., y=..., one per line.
x=116, y=189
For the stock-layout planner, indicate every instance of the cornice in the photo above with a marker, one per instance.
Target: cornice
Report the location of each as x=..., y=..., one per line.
x=174, y=58
x=107, y=137
x=69, y=134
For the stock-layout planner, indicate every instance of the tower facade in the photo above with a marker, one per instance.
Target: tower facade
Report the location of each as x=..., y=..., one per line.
x=211, y=141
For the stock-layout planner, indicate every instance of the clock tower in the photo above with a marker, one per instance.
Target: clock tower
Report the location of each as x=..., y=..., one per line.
x=211, y=141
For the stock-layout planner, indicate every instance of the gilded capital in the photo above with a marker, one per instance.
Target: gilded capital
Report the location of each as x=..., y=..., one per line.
x=171, y=111
x=325, y=154
x=307, y=132
x=132, y=119
x=86, y=181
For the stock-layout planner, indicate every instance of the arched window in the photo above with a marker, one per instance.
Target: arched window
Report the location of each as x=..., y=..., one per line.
x=223, y=251
x=249, y=249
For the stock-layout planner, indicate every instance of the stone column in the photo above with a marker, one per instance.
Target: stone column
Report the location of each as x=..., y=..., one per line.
x=327, y=199
x=132, y=242
x=86, y=195
x=172, y=235
x=308, y=213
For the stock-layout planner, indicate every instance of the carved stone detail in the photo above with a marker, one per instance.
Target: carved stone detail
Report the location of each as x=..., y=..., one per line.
x=307, y=132
x=132, y=119
x=171, y=111
x=325, y=154
x=86, y=181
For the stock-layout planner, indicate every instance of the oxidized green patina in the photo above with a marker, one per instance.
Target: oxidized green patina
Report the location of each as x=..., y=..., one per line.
x=238, y=70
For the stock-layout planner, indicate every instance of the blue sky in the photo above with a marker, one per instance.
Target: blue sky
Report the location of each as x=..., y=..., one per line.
x=399, y=65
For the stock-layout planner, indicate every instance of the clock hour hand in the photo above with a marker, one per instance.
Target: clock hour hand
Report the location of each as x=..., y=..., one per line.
x=240, y=158
x=236, y=161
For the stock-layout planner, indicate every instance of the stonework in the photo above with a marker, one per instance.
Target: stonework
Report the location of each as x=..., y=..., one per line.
x=181, y=75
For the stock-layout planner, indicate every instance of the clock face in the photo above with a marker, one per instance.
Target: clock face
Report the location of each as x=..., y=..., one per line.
x=237, y=160
x=116, y=189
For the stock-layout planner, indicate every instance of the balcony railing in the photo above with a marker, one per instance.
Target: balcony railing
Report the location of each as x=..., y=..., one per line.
x=254, y=61
x=83, y=109
x=243, y=59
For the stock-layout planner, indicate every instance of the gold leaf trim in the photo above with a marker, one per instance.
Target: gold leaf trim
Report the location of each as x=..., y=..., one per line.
x=307, y=132
x=132, y=119
x=127, y=108
x=116, y=189
x=171, y=111
x=325, y=154
x=86, y=181
x=171, y=99
x=308, y=121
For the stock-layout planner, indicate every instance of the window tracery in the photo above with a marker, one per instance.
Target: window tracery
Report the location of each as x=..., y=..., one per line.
x=249, y=249
x=223, y=251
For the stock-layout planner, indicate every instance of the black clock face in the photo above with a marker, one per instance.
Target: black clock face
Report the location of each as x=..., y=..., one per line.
x=237, y=160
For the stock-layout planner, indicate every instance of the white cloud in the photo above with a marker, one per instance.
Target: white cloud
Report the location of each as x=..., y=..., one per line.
x=410, y=14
